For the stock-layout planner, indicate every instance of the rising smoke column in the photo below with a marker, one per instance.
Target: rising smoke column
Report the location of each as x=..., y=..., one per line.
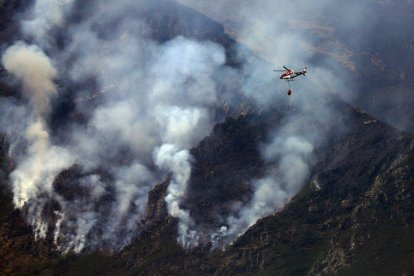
x=292, y=156
x=34, y=174
x=178, y=162
x=167, y=115
x=35, y=70
x=279, y=32
x=36, y=170
x=31, y=65
x=154, y=102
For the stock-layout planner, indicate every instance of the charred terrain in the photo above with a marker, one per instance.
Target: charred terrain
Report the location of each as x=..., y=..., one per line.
x=353, y=216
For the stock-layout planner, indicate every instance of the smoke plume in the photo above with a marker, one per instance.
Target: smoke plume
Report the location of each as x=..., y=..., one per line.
x=277, y=32
x=150, y=102
x=178, y=162
x=45, y=16
x=142, y=96
x=31, y=65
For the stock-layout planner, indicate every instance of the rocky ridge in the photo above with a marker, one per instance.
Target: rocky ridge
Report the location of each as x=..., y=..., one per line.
x=354, y=216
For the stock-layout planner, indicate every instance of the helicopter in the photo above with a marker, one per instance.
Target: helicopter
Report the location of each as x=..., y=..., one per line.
x=289, y=75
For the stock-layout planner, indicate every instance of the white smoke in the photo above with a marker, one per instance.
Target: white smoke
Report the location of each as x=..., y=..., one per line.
x=273, y=191
x=36, y=71
x=154, y=102
x=178, y=162
x=163, y=98
x=151, y=103
x=45, y=16
x=35, y=172
x=282, y=34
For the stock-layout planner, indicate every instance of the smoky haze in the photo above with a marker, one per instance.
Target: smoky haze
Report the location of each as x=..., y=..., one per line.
x=144, y=102
x=272, y=29
x=150, y=102
x=371, y=39
x=345, y=46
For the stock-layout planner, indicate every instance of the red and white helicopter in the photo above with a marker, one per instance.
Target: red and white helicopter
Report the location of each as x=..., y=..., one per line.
x=289, y=75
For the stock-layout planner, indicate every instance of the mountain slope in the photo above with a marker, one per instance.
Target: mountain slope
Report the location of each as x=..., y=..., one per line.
x=354, y=216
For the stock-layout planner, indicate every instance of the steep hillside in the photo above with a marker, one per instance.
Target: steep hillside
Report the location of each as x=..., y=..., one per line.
x=354, y=216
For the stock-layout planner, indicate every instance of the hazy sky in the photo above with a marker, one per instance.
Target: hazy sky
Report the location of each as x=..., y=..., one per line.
x=372, y=39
